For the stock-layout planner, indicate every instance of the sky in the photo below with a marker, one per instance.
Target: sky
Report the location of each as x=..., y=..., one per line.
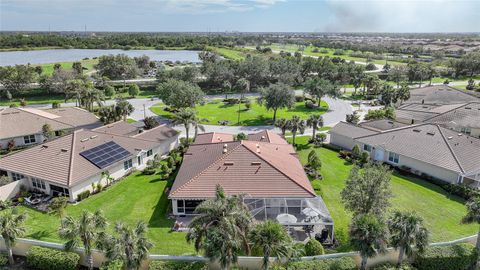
x=241, y=15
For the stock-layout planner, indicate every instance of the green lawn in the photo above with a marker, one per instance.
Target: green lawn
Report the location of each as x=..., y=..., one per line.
x=229, y=53
x=442, y=213
x=257, y=115
x=137, y=197
x=88, y=64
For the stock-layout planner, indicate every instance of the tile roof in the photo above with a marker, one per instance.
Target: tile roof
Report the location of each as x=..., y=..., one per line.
x=213, y=137
x=257, y=169
x=440, y=95
x=119, y=128
x=32, y=120
x=431, y=144
x=266, y=136
x=467, y=115
x=59, y=160
x=351, y=130
x=382, y=124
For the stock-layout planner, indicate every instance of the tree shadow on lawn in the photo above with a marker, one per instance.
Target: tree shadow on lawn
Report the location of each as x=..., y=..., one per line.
x=39, y=234
x=159, y=216
x=431, y=186
x=258, y=121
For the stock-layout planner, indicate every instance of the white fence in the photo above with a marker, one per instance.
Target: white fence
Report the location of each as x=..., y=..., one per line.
x=252, y=263
x=11, y=189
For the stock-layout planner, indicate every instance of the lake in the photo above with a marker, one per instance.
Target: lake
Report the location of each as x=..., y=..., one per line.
x=11, y=58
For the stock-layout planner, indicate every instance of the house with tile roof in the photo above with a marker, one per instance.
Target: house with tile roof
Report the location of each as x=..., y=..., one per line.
x=264, y=168
x=23, y=126
x=425, y=149
x=70, y=164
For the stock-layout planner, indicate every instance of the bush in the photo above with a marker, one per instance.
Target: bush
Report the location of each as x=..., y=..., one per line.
x=314, y=248
x=177, y=265
x=461, y=190
x=51, y=259
x=248, y=104
x=149, y=170
x=231, y=101
x=83, y=195
x=345, y=263
x=3, y=259
x=390, y=266
x=454, y=257
x=310, y=105
x=299, y=98
x=55, y=105
x=112, y=265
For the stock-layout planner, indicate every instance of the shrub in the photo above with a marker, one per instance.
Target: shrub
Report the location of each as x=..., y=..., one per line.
x=55, y=105
x=461, y=190
x=149, y=170
x=112, y=265
x=389, y=266
x=51, y=259
x=299, y=98
x=370, y=66
x=310, y=105
x=3, y=259
x=313, y=248
x=454, y=257
x=248, y=104
x=231, y=101
x=177, y=265
x=83, y=195
x=345, y=263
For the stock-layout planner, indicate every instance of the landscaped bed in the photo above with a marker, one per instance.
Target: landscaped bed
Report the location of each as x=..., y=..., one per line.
x=257, y=115
x=442, y=212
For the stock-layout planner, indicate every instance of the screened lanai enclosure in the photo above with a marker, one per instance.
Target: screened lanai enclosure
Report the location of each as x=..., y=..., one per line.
x=304, y=217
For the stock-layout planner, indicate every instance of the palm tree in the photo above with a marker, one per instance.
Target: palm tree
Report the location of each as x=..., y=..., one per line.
x=282, y=124
x=197, y=126
x=473, y=216
x=272, y=239
x=123, y=108
x=368, y=235
x=296, y=125
x=315, y=121
x=11, y=227
x=244, y=87
x=227, y=87
x=130, y=245
x=185, y=117
x=90, y=96
x=87, y=229
x=407, y=230
x=221, y=228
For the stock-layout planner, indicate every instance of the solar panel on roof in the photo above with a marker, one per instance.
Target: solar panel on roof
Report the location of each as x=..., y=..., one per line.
x=105, y=154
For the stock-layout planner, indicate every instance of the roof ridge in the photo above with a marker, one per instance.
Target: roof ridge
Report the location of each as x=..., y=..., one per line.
x=395, y=129
x=118, y=135
x=208, y=167
x=149, y=130
x=70, y=164
x=460, y=106
x=298, y=184
x=450, y=148
x=94, y=129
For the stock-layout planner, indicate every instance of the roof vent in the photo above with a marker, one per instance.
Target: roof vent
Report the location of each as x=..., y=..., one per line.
x=93, y=137
x=468, y=108
x=263, y=137
x=256, y=163
x=225, y=146
x=459, y=134
x=44, y=146
x=224, y=150
x=64, y=150
x=84, y=140
x=417, y=130
x=228, y=163
x=431, y=133
x=449, y=137
x=257, y=145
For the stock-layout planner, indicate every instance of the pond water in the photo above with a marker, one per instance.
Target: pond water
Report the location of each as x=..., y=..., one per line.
x=69, y=55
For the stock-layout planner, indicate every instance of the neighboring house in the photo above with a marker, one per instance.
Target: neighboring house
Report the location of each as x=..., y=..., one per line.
x=23, y=126
x=424, y=149
x=264, y=168
x=440, y=95
x=414, y=113
x=70, y=164
x=464, y=119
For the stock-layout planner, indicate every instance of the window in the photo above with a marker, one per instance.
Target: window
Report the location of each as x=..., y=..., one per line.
x=59, y=191
x=149, y=152
x=17, y=176
x=467, y=131
x=367, y=148
x=139, y=160
x=393, y=157
x=38, y=183
x=127, y=164
x=29, y=139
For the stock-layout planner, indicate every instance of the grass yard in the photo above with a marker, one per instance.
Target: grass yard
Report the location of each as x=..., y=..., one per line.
x=137, y=197
x=229, y=53
x=88, y=64
x=257, y=115
x=442, y=213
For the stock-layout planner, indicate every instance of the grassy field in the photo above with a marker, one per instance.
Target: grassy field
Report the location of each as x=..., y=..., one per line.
x=257, y=115
x=229, y=53
x=442, y=213
x=88, y=64
x=137, y=197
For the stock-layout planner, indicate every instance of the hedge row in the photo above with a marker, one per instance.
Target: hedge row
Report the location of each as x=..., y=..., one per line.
x=51, y=259
x=177, y=265
x=455, y=257
x=3, y=259
x=344, y=263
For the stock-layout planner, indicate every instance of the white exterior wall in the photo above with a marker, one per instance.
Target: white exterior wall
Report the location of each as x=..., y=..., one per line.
x=9, y=190
x=342, y=141
x=414, y=164
x=19, y=141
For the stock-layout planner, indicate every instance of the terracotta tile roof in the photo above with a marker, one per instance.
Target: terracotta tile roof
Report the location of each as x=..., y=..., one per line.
x=118, y=128
x=266, y=136
x=257, y=169
x=157, y=134
x=32, y=120
x=213, y=137
x=59, y=160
